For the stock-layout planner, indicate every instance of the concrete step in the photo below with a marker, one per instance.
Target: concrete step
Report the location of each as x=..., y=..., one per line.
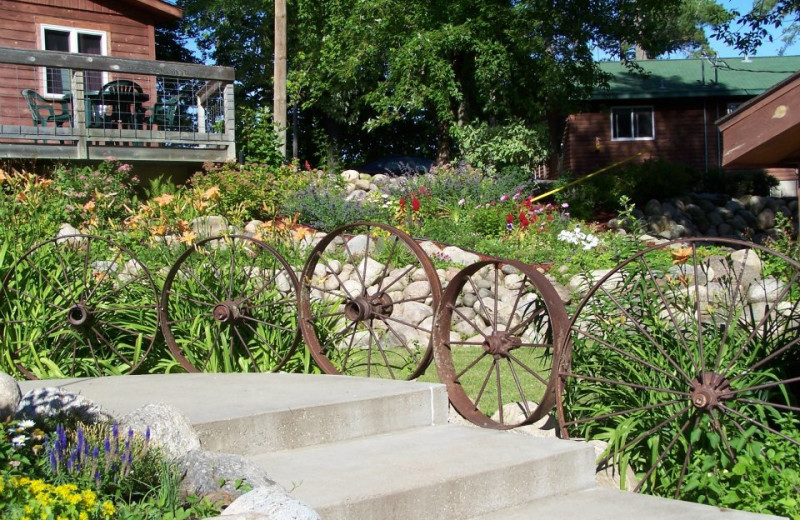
x=609, y=504
x=254, y=413
x=435, y=472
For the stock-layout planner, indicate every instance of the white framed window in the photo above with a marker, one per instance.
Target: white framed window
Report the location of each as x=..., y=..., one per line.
x=71, y=39
x=632, y=123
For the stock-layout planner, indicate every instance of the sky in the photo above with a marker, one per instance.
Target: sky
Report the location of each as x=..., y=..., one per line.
x=725, y=51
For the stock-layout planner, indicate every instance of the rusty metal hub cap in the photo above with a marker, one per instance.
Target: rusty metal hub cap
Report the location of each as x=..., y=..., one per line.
x=710, y=388
x=500, y=343
x=79, y=316
x=365, y=307
x=227, y=312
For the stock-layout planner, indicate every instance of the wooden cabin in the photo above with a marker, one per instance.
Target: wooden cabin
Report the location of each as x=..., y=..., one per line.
x=666, y=110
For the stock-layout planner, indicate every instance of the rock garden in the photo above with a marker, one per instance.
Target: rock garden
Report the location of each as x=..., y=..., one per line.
x=678, y=355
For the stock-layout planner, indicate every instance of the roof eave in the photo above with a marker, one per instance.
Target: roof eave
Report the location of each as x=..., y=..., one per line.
x=163, y=11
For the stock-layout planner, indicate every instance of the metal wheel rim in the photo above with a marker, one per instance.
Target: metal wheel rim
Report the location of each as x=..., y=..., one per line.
x=500, y=344
x=373, y=317
x=84, y=302
x=710, y=389
x=224, y=325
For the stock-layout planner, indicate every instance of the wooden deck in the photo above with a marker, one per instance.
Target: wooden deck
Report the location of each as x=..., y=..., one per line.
x=204, y=128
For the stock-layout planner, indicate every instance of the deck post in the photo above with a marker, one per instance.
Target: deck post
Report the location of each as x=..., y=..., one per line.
x=230, y=121
x=79, y=113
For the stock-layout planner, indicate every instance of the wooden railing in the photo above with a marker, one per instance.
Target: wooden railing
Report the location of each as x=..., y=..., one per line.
x=185, y=112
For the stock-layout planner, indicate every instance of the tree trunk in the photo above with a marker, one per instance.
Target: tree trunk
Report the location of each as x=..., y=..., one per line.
x=444, y=143
x=279, y=75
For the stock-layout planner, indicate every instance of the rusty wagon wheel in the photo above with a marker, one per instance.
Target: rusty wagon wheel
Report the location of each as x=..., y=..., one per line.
x=75, y=306
x=683, y=360
x=496, y=336
x=368, y=299
x=229, y=305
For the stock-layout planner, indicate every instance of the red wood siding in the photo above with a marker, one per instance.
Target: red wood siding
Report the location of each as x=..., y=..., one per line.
x=130, y=34
x=684, y=133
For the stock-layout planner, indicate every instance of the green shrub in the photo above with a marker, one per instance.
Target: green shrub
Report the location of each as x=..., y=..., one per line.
x=256, y=137
x=97, y=194
x=250, y=191
x=495, y=147
x=736, y=183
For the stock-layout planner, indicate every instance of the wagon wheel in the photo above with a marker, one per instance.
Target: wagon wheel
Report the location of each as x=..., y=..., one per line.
x=228, y=305
x=75, y=306
x=683, y=359
x=496, y=334
x=367, y=303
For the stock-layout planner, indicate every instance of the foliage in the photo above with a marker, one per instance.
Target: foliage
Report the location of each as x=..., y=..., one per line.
x=256, y=137
x=87, y=473
x=32, y=208
x=325, y=209
x=747, y=31
x=735, y=183
x=250, y=191
x=406, y=72
x=494, y=147
x=97, y=194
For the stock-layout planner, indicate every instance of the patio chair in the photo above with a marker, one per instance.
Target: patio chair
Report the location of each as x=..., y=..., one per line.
x=43, y=110
x=165, y=115
x=122, y=95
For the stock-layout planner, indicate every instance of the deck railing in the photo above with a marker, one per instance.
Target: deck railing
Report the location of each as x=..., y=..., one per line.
x=182, y=112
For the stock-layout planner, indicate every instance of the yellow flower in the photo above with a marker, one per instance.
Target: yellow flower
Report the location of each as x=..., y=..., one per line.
x=164, y=199
x=89, y=498
x=83, y=516
x=108, y=509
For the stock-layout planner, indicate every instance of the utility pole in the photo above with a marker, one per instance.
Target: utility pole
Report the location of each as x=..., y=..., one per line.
x=279, y=74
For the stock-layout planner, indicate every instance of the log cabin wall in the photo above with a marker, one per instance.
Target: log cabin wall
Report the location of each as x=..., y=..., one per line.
x=684, y=132
x=129, y=33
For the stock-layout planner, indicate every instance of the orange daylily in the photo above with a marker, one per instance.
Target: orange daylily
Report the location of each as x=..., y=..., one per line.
x=164, y=199
x=681, y=255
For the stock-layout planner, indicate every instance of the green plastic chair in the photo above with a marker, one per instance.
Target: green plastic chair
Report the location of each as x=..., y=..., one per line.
x=165, y=115
x=43, y=111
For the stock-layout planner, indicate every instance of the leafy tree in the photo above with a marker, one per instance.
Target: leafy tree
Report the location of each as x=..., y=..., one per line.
x=746, y=31
x=369, y=71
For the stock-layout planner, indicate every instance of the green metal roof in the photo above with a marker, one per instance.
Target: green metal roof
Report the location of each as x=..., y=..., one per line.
x=710, y=77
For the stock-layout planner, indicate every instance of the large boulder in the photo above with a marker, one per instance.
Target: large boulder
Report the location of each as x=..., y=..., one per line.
x=219, y=475
x=274, y=503
x=168, y=427
x=58, y=404
x=10, y=396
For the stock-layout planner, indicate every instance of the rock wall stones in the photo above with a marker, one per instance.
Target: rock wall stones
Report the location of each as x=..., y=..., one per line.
x=751, y=217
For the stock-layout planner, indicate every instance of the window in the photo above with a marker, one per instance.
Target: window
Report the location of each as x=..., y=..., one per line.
x=628, y=123
x=731, y=107
x=70, y=39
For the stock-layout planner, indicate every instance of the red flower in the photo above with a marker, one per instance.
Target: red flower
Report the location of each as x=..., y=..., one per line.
x=509, y=218
x=422, y=190
x=308, y=167
x=414, y=203
x=523, y=220
x=402, y=202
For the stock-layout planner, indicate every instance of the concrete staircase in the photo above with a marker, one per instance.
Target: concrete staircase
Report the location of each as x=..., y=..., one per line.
x=361, y=449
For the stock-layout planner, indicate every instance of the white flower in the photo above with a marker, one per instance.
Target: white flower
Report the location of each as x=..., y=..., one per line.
x=461, y=202
x=19, y=440
x=27, y=423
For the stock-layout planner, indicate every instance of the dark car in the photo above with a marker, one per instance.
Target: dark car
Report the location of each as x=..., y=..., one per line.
x=397, y=165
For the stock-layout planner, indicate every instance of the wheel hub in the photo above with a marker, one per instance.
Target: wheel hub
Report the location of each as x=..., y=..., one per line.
x=79, y=316
x=709, y=389
x=227, y=312
x=500, y=343
x=365, y=307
